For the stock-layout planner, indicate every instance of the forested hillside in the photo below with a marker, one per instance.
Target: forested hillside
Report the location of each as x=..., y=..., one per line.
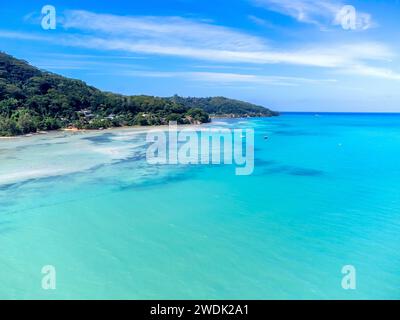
x=32, y=100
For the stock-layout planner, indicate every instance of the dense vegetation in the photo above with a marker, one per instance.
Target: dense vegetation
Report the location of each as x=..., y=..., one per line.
x=32, y=100
x=220, y=106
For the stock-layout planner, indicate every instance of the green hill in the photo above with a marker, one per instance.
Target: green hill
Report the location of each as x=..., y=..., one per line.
x=32, y=100
x=221, y=106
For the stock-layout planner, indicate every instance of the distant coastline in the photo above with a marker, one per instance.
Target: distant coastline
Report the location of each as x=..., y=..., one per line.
x=33, y=100
x=133, y=128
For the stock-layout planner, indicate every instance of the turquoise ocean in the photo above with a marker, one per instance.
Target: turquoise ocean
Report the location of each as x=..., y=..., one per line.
x=325, y=193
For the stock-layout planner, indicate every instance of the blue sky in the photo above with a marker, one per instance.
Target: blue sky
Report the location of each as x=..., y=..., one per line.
x=290, y=55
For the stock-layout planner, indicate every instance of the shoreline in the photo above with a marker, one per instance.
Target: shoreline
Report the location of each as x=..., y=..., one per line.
x=76, y=130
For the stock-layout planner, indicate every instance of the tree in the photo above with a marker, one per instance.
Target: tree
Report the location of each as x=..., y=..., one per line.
x=197, y=115
x=26, y=121
x=8, y=127
x=8, y=106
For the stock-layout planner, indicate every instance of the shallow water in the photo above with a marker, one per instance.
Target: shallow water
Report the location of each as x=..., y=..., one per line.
x=324, y=194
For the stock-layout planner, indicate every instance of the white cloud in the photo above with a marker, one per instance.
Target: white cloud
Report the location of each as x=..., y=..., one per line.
x=227, y=78
x=21, y=36
x=332, y=56
x=200, y=40
x=318, y=12
x=364, y=70
x=176, y=36
x=171, y=31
